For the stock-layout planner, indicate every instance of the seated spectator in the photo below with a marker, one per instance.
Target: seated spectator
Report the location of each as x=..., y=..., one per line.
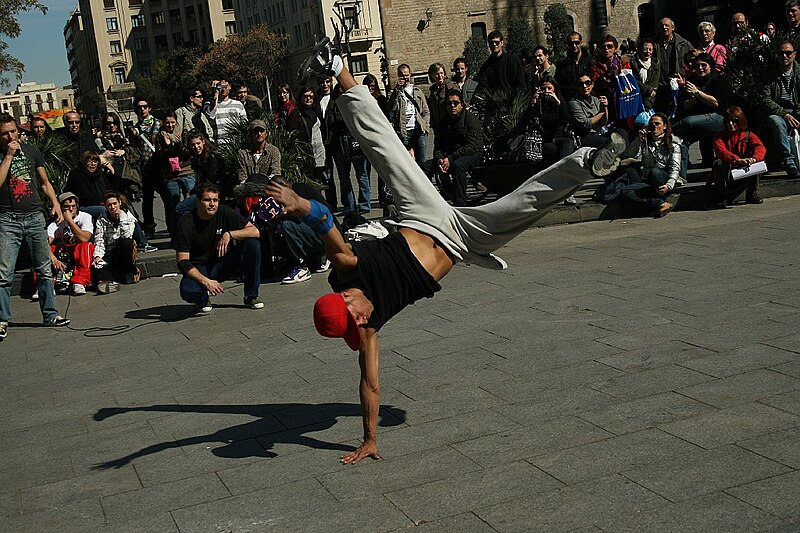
x=646, y=71
x=460, y=78
x=90, y=181
x=215, y=243
x=178, y=177
x=703, y=98
x=736, y=147
x=718, y=52
x=457, y=148
x=550, y=113
x=259, y=157
x=781, y=102
x=660, y=155
x=207, y=166
x=603, y=71
x=71, y=247
x=589, y=114
x=114, y=248
x=287, y=106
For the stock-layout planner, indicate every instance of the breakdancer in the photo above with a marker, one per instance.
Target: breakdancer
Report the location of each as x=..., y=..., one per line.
x=374, y=280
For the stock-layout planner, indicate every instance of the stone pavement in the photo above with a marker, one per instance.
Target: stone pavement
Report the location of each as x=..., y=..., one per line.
x=629, y=375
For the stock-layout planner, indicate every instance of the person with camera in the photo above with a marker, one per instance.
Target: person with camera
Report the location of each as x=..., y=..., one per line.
x=21, y=217
x=114, y=255
x=223, y=110
x=71, y=241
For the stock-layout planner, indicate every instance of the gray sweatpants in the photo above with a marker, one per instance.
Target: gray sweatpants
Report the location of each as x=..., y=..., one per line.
x=468, y=233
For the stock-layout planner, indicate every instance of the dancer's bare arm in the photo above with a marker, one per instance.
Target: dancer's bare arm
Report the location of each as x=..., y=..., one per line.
x=339, y=252
x=370, y=393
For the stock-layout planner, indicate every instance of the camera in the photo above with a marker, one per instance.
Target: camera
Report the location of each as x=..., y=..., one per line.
x=651, y=128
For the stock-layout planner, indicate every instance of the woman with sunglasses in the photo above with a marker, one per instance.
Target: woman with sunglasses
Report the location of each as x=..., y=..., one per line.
x=736, y=147
x=112, y=141
x=603, y=71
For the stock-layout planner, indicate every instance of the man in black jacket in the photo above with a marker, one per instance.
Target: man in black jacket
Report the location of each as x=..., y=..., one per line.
x=572, y=67
x=501, y=70
x=457, y=148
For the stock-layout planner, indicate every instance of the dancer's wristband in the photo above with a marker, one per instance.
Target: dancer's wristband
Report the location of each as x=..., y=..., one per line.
x=320, y=218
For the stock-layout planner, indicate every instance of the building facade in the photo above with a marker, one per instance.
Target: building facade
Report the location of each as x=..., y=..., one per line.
x=31, y=98
x=110, y=42
x=306, y=21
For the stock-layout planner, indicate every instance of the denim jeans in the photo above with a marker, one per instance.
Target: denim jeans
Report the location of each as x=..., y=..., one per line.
x=245, y=256
x=698, y=127
x=346, y=186
x=326, y=175
x=172, y=195
x=417, y=141
x=780, y=133
x=455, y=181
x=97, y=211
x=644, y=191
x=14, y=227
x=185, y=207
x=300, y=241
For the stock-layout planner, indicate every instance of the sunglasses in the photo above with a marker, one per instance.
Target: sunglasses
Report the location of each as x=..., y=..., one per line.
x=574, y=43
x=610, y=46
x=142, y=106
x=786, y=53
x=111, y=123
x=586, y=83
x=495, y=43
x=307, y=96
x=73, y=122
x=453, y=103
x=242, y=92
x=197, y=96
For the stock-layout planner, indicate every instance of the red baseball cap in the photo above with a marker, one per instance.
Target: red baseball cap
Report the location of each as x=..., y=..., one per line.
x=333, y=319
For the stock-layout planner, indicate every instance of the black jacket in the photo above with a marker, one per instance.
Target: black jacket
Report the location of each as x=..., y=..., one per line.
x=460, y=137
x=568, y=72
x=90, y=187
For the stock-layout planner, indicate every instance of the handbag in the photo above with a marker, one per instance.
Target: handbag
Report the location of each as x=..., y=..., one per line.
x=351, y=148
x=629, y=96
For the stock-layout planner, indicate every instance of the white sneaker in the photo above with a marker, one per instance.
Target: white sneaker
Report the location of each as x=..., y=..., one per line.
x=205, y=309
x=324, y=266
x=35, y=296
x=78, y=289
x=297, y=275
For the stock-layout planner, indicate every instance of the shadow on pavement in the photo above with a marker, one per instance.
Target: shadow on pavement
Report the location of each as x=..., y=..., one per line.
x=163, y=313
x=277, y=423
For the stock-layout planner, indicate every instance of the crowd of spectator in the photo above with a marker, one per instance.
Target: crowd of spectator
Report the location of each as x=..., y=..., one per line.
x=216, y=216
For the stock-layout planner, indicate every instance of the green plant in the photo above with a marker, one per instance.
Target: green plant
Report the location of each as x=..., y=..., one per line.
x=502, y=113
x=296, y=156
x=557, y=25
x=520, y=36
x=58, y=153
x=750, y=64
x=475, y=53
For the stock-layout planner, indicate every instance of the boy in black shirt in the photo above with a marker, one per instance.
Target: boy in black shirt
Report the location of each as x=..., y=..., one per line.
x=206, y=253
x=375, y=280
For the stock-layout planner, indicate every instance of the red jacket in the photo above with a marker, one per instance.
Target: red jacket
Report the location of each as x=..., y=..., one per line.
x=740, y=145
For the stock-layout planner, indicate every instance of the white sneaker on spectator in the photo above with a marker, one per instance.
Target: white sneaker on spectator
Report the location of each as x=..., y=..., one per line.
x=324, y=266
x=78, y=289
x=298, y=274
x=35, y=296
x=204, y=309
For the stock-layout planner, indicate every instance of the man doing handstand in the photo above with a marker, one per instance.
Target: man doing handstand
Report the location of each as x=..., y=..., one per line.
x=375, y=280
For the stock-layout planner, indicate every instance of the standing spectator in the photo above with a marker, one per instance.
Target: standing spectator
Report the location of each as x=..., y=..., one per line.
x=736, y=147
x=437, y=99
x=207, y=166
x=191, y=117
x=288, y=106
x=176, y=170
x=90, y=181
x=144, y=135
x=707, y=32
x=223, y=110
x=500, y=70
x=258, y=157
x=457, y=148
x=410, y=114
x=461, y=78
x=542, y=68
x=21, y=217
x=322, y=104
x=781, y=103
x=215, y=243
x=646, y=70
x=375, y=90
x=671, y=49
x=704, y=97
x=40, y=128
x=308, y=125
x=604, y=70
x=114, y=248
x=741, y=33
x=589, y=114
x=112, y=142
x=72, y=240
x=80, y=139
x=569, y=69
x=345, y=158
x=770, y=30
x=793, y=19
x=252, y=103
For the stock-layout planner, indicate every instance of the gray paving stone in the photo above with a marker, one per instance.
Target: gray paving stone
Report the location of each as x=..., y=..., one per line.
x=54, y=496
x=155, y=523
x=649, y=382
x=466, y=491
x=731, y=424
x=601, y=458
x=789, y=401
x=523, y=442
x=554, y=403
x=781, y=446
x=705, y=472
x=465, y=523
x=84, y=515
x=10, y=504
x=572, y=507
x=127, y=506
x=741, y=388
x=714, y=512
x=791, y=368
x=739, y=360
x=641, y=413
x=653, y=356
x=777, y=495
